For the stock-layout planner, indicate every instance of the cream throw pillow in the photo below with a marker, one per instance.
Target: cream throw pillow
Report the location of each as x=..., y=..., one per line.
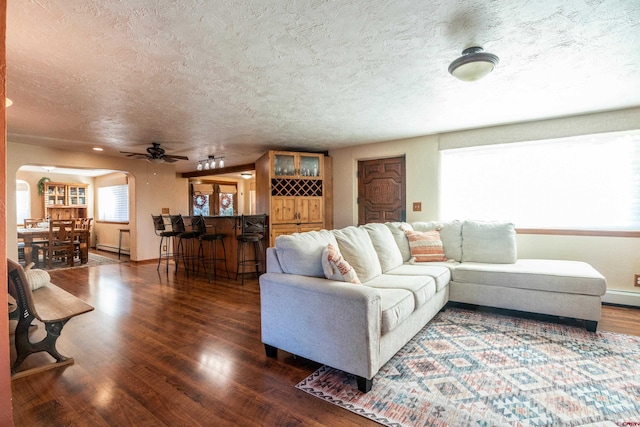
x=36, y=278
x=336, y=267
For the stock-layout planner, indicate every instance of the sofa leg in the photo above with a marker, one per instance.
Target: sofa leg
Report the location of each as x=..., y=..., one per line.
x=364, y=384
x=592, y=325
x=271, y=351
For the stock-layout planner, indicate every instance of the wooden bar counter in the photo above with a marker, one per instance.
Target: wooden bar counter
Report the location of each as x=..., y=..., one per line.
x=230, y=227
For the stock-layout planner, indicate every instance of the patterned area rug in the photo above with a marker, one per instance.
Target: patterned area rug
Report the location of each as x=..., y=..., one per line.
x=468, y=368
x=93, y=261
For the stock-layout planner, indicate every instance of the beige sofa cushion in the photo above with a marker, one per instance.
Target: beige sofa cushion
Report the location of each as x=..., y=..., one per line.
x=422, y=287
x=356, y=247
x=398, y=231
x=396, y=305
x=441, y=272
x=301, y=253
x=450, y=232
x=574, y=277
x=385, y=245
x=490, y=242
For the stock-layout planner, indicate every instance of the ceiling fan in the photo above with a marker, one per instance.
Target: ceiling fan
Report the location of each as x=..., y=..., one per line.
x=155, y=154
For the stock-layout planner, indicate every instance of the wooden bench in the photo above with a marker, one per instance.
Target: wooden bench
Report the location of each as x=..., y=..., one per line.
x=49, y=304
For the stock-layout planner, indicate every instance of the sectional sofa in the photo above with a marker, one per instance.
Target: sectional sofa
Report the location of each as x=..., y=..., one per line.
x=351, y=298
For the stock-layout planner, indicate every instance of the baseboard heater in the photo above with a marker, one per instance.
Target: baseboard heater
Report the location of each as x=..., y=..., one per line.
x=622, y=298
x=109, y=248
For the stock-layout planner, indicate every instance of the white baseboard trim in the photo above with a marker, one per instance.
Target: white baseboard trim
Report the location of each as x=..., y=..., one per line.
x=622, y=297
x=113, y=249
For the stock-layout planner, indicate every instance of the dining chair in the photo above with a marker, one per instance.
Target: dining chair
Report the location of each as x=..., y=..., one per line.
x=61, y=243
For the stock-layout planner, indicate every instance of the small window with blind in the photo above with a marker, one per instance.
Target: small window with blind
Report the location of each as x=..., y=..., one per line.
x=23, y=201
x=589, y=182
x=113, y=203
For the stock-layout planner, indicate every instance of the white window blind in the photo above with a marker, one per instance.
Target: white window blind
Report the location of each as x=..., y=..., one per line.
x=588, y=182
x=113, y=203
x=23, y=201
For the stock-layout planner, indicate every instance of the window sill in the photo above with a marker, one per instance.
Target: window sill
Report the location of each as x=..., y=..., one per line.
x=569, y=232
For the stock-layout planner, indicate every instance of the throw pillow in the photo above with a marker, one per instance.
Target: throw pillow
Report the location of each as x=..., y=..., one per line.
x=426, y=246
x=489, y=242
x=336, y=267
x=36, y=278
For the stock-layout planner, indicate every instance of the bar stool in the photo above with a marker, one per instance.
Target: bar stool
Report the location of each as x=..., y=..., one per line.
x=161, y=230
x=251, y=233
x=199, y=225
x=186, y=249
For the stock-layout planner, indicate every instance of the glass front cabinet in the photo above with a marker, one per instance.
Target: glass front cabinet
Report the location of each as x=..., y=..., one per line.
x=297, y=165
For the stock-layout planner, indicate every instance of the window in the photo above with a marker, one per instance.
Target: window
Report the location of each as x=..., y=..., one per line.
x=23, y=201
x=588, y=182
x=113, y=203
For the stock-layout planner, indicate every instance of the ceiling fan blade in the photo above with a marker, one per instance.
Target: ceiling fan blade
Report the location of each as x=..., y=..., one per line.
x=176, y=157
x=168, y=159
x=129, y=153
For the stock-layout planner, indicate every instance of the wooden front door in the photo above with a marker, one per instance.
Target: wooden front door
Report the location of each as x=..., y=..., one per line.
x=381, y=190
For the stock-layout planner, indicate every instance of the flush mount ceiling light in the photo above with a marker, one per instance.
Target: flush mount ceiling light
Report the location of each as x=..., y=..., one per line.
x=473, y=65
x=246, y=175
x=8, y=102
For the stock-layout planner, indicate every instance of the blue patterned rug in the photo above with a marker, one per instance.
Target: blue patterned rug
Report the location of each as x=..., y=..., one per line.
x=468, y=368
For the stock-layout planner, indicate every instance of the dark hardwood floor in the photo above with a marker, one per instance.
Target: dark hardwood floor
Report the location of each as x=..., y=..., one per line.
x=168, y=350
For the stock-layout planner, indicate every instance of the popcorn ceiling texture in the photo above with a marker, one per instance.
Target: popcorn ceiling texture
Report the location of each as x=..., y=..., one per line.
x=241, y=77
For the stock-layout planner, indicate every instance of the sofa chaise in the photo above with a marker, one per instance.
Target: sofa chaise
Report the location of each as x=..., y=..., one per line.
x=351, y=298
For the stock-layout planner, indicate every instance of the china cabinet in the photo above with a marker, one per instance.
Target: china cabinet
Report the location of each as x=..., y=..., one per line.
x=65, y=200
x=293, y=189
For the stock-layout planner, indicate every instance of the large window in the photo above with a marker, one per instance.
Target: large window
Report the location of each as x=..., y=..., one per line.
x=23, y=201
x=113, y=203
x=587, y=182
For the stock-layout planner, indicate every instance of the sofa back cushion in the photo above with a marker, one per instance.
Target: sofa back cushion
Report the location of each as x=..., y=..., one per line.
x=398, y=231
x=385, y=245
x=450, y=233
x=490, y=242
x=301, y=253
x=357, y=249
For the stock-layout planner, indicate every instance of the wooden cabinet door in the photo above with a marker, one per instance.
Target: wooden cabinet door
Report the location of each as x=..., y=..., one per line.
x=283, y=210
x=309, y=209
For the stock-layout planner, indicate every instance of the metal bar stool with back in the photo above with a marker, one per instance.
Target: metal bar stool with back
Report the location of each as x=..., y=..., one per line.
x=252, y=228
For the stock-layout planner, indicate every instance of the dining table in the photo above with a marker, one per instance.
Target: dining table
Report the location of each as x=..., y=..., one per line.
x=29, y=235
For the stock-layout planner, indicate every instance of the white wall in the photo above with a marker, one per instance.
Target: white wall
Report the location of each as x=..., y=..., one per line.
x=617, y=258
x=152, y=187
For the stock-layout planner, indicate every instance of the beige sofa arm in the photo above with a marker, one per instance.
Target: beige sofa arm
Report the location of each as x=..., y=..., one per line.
x=333, y=323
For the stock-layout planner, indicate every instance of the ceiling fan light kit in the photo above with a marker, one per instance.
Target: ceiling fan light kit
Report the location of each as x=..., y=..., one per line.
x=473, y=65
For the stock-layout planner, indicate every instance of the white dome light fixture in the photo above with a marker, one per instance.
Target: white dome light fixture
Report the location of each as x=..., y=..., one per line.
x=474, y=64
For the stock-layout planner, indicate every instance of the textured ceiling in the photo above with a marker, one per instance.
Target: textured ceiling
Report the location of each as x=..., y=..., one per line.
x=237, y=78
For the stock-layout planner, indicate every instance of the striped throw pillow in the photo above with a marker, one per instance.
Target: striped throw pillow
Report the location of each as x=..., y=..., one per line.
x=336, y=267
x=426, y=246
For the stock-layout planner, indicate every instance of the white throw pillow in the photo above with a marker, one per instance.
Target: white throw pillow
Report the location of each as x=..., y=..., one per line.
x=336, y=267
x=385, y=245
x=36, y=278
x=357, y=248
x=490, y=242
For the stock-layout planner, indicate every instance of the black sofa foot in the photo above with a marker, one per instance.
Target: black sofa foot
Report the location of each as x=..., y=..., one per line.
x=271, y=351
x=364, y=384
x=592, y=325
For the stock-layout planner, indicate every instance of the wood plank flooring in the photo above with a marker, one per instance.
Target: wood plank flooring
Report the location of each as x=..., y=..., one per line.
x=169, y=350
